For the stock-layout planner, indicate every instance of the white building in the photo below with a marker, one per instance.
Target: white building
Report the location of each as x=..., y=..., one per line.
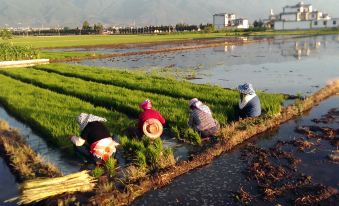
x=229, y=20
x=241, y=23
x=302, y=16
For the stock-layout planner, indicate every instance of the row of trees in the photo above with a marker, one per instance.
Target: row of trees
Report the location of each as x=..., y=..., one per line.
x=5, y=34
x=98, y=28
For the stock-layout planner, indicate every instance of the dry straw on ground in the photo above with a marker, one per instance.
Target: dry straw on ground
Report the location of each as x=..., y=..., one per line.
x=40, y=189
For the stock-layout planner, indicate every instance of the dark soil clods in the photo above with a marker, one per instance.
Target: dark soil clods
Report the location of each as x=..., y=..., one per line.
x=275, y=170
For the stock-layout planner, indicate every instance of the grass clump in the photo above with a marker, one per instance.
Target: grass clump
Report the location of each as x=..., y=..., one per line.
x=110, y=166
x=147, y=154
x=187, y=134
x=98, y=172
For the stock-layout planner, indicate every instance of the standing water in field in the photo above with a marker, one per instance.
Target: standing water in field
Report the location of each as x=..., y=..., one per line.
x=8, y=180
x=38, y=144
x=294, y=65
x=215, y=183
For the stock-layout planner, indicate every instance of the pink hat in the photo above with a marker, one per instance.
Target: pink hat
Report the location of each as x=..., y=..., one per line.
x=147, y=104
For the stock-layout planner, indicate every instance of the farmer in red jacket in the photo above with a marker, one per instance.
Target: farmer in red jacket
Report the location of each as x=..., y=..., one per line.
x=150, y=121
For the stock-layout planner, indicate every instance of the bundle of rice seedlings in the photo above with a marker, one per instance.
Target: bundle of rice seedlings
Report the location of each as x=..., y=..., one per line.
x=40, y=189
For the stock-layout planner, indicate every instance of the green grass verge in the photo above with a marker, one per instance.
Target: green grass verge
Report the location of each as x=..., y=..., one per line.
x=97, y=40
x=66, y=55
x=51, y=114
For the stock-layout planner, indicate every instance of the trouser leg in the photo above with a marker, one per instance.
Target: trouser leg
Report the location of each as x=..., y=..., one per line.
x=83, y=153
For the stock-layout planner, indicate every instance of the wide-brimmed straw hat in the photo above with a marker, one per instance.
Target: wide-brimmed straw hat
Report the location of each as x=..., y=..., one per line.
x=152, y=128
x=246, y=88
x=147, y=104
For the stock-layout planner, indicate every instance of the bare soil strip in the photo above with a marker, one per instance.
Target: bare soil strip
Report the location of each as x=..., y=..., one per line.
x=230, y=136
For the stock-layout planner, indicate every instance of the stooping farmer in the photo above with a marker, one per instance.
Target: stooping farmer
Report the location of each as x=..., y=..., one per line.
x=95, y=142
x=150, y=121
x=201, y=119
x=249, y=105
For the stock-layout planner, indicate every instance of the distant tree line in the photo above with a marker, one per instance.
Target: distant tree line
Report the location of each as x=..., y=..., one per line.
x=98, y=28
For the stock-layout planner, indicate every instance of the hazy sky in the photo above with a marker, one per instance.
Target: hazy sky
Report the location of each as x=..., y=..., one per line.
x=142, y=12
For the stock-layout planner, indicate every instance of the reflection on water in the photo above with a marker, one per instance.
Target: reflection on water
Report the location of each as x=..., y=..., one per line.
x=212, y=184
x=8, y=186
x=303, y=48
x=287, y=65
x=226, y=48
x=39, y=145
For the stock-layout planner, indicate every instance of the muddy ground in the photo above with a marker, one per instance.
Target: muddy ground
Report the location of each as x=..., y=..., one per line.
x=275, y=170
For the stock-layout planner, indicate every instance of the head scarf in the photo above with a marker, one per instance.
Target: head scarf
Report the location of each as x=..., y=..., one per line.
x=199, y=105
x=147, y=104
x=193, y=101
x=246, y=88
x=83, y=119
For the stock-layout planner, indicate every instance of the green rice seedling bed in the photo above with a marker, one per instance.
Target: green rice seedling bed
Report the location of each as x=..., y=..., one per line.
x=175, y=110
x=165, y=86
x=51, y=114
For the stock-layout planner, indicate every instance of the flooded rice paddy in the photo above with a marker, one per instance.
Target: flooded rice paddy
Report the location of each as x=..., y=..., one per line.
x=140, y=47
x=214, y=184
x=293, y=66
x=38, y=144
x=286, y=65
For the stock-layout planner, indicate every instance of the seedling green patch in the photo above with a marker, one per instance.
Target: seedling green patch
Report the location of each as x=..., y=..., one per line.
x=51, y=114
x=122, y=91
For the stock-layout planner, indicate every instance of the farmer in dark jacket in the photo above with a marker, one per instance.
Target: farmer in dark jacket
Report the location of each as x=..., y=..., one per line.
x=249, y=104
x=201, y=119
x=95, y=142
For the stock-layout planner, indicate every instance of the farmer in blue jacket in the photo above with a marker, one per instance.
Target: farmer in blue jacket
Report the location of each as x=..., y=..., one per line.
x=249, y=104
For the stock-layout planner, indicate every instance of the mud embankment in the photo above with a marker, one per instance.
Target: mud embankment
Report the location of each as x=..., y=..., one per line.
x=170, y=46
x=275, y=172
x=197, y=45
x=23, y=161
x=230, y=136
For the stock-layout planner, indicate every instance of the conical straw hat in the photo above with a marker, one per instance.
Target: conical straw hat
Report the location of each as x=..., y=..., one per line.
x=152, y=128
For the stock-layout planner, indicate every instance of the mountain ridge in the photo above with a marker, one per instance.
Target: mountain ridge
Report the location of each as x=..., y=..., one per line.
x=139, y=12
